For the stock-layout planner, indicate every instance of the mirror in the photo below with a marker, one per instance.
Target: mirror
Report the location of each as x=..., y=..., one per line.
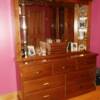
x=42, y=20
x=45, y=20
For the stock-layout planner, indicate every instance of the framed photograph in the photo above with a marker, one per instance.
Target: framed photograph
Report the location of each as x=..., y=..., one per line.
x=31, y=50
x=82, y=47
x=74, y=47
x=83, y=22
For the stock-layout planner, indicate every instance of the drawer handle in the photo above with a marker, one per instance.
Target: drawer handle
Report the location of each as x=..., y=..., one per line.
x=45, y=84
x=46, y=96
x=26, y=63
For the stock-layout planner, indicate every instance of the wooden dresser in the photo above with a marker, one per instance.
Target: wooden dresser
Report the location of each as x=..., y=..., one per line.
x=57, y=77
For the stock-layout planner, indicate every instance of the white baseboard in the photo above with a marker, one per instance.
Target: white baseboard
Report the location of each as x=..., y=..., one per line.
x=9, y=96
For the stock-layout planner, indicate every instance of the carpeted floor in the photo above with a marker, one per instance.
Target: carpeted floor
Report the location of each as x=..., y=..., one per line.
x=95, y=95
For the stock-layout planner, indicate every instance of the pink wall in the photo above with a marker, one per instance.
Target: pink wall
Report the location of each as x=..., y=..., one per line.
x=7, y=63
x=95, y=29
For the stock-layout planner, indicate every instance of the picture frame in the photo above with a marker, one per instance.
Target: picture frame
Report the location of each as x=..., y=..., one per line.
x=74, y=47
x=83, y=23
x=31, y=50
x=82, y=47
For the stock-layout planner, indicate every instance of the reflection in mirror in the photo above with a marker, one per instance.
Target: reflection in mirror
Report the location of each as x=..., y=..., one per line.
x=43, y=21
x=23, y=28
x=40, y=21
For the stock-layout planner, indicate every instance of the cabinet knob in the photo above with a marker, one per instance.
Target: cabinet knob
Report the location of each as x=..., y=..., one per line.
x=46, y=83
x=46, y=96
x=38, y=72
x=26, y=63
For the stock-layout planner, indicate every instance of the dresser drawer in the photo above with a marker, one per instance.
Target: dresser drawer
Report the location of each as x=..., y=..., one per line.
x=59, y=66
x=87, y=86
x=33, y=71
x=50, y=94
x=87, y=66
x=44, y=83
x=71, y=64
x=73, y=90
x=73, y=76
x=86, y=60
x=88, y=75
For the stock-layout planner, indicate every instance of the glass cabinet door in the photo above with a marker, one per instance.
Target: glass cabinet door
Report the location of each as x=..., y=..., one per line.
x=81, y=27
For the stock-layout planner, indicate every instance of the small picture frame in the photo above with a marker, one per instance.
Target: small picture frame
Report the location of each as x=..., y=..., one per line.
x=31, y=50
x=83, y=22
x=74, y=47
x=82, y=47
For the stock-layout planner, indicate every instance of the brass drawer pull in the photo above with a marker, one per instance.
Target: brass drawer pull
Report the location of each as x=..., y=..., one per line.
x=38, y=72
x=46, y=96
x=26, y=63
x=45, y=84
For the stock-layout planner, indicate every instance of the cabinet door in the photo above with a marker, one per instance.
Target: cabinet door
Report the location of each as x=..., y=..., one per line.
x=81, y=26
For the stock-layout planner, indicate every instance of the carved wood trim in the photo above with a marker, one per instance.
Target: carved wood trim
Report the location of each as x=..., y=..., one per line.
x=15, y=8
